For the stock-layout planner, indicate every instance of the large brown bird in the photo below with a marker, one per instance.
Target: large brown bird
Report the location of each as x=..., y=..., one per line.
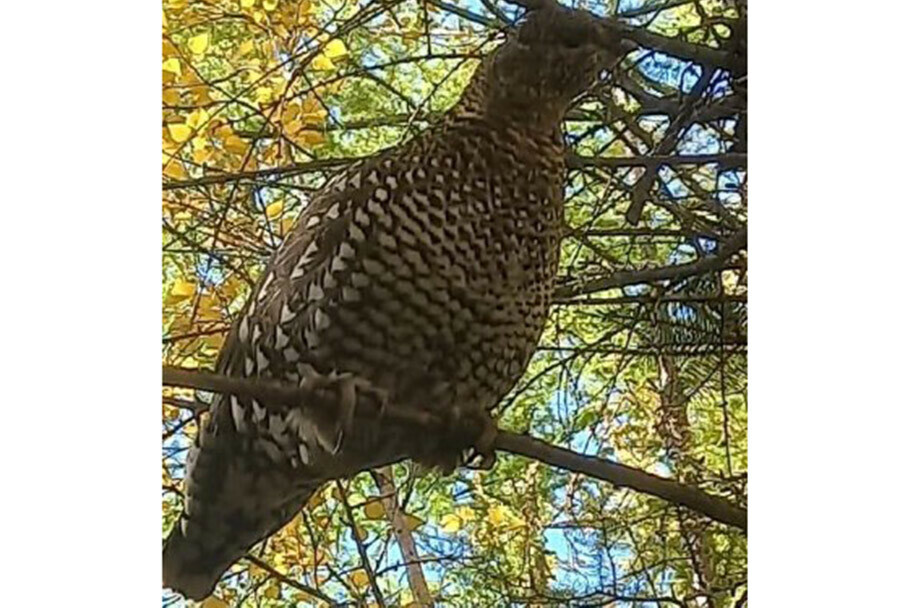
x=422, y=275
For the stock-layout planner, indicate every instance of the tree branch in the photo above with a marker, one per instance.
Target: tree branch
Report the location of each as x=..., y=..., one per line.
x=289, y=581
x=693, y=498
x=294, y=169
x=363, y=555
x=708, y=56
x=653, y=161
x=385, y=483
x=667, y=489
x=679, y=271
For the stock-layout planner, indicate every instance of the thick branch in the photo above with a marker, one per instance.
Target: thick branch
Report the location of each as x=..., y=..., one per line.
x=385, y=482
x=679, y=271
x=693, y=498
x=713, y=507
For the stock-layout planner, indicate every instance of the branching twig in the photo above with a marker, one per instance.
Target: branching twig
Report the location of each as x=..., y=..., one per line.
x=678, y=271
x=289, y=581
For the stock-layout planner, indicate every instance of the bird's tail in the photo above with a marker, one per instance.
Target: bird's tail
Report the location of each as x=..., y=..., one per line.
x=241, y=487
x=199, y=550
x=234, y=497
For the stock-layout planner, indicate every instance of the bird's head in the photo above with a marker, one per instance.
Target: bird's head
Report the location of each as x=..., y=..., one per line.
x=555, y=55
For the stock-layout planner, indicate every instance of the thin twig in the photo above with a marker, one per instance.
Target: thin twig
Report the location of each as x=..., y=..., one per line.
x=363, y=555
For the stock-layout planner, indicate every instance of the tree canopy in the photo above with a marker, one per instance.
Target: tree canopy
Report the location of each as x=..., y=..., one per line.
x=641, y=366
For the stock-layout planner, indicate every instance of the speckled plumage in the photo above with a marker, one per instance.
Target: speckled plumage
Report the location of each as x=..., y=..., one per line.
x=424, y=273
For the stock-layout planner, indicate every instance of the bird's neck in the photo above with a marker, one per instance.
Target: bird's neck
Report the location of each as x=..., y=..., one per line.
x=476, y=106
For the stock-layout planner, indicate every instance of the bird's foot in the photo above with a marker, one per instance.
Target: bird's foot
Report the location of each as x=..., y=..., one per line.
x=481, y=455
x=333, y=426
x=466, y=437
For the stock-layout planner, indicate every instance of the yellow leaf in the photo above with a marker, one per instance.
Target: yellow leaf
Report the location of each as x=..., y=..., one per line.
x=286, y=224
x=359, y=578
x=180, y=132
x=246, y=47
x=201, y=94
x=170, y=97
x=322, y=63
x=213, y=602
x=497, y=514
x=172, y=65
x=169, y=49
x=235, y=144
x=362, y=533
x=247, y=3
x=189, y=363
x=282, y=31
x=175, y=170
x=230, y=289
x=181, y=290
x=293, y=127
x=199, y=43
x=208, y=310
x=413, y=522
x=263, y=94
x=180, y=392
x=272, y=591
x=201, y=155
x=215, y=340
x=197, y=118
x=335, y=49
x=273, y=210
x=315, y=119
x=170, y=413
x=374, y=510
x=466, y=514
x=290, y=112
x=450, y=523
x=310, y=138
x=256, y=572
x=270, y=5
x=253, y=76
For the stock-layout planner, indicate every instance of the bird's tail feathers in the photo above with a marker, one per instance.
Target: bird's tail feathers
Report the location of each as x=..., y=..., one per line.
x=200, y=549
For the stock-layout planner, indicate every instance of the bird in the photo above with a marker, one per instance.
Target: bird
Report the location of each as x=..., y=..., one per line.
x=418, y=278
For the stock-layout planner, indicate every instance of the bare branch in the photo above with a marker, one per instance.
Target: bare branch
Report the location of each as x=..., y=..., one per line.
x=385, y=482
x=679, y=271
x=363, y=555
x=653, y=161
x=693, y=498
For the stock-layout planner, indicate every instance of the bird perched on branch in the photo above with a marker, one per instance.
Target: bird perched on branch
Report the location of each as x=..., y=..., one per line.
x=420, y=278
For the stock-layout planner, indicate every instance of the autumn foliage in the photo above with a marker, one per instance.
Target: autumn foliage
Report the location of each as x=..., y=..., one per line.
x=643, y=361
